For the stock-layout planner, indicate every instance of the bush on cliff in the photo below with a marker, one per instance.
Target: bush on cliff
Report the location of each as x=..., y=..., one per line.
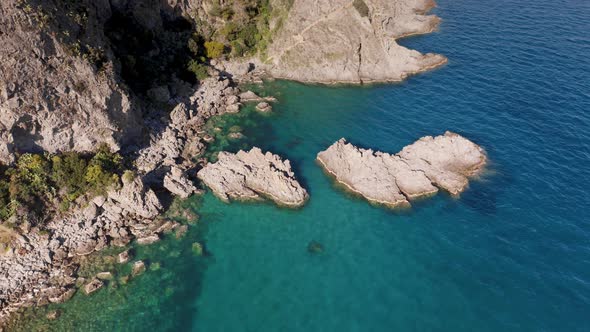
x=198, y=69
x=31, y=189
x=214, y=49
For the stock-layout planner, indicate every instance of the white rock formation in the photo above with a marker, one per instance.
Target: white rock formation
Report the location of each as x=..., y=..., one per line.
x=444, y=161
x=253, y=175
x=178, y=183
x=135, y=198
x=351, y=41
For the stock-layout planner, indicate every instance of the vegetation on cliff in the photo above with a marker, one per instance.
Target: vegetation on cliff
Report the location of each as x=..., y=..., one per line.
x=38, y=182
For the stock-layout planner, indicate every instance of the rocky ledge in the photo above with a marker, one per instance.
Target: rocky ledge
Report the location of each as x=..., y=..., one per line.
x=343, y=41
x=444, y=161
x=253, y=175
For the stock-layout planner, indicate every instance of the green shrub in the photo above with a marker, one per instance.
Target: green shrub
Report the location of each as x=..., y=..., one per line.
x=30, y=188
x=214, y=49
x=128, y=176
x=68, y=173
x=199, y=69
x=237, y=48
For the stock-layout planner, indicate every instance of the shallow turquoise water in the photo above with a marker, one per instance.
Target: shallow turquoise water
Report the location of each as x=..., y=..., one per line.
x=511, y=254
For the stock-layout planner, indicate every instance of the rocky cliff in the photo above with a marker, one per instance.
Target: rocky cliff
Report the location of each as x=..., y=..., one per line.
x=351, y=41
x=51, y=97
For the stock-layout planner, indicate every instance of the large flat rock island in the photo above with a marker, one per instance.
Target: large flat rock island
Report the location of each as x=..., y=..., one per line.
x=253, y=175
x=420, y=169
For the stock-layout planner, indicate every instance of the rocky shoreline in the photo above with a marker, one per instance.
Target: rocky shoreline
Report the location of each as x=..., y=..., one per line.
x=41, y=267
x=419, y=170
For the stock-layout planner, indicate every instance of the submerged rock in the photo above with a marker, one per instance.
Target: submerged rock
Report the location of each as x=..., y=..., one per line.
x=315, y=247
x=104, y=275
x=93, y=286
x=198, y=249
x=138, y=268
x=53, y=315
x=253, y=175
x=148, y=239
x=444, y=161
x=124, y=257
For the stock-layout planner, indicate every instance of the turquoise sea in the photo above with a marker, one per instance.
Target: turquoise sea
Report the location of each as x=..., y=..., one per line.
x=511, y=254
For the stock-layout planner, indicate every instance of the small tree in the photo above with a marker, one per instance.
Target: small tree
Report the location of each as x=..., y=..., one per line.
x=199, y=69
x=214, y=49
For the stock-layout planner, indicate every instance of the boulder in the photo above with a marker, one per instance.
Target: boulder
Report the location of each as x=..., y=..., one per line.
x=148, y=239
x=444, y=161
x=93, y=286
x=179, y=115
x=104, y=275
x=135, y=198
x=138, y=268
x=263, y=107
x=124, y=257
x=178, y=183
x=249, y=96
x=253, y=175
x=53, y=315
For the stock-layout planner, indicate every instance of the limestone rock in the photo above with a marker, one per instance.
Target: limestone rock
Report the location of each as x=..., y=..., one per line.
x=148, y=239
x=249, y=96
x=178, y=183
x=263, y=107
x=137, y=199
x=253, y=175
x=104, y=275
x=93, y=286
x=138, y=268
x=124, y=257
x=53, y=315
x=444, y=161
x=51, y=99
x=334, y=41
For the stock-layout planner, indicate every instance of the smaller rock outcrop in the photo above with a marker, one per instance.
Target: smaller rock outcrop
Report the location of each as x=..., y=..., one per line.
x=137, y=199
x=93, y=286
x=444, y=161
x=124, y=257
x=253, y=175
x=263, y=107
x=138, y=268
x=178, y=183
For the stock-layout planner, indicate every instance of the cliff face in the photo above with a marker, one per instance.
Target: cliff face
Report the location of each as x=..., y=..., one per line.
x=51, y=99
x=351, y=41
x=77, y=73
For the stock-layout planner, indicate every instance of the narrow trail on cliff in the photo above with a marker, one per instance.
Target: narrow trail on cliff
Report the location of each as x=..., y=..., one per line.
x=300, y=38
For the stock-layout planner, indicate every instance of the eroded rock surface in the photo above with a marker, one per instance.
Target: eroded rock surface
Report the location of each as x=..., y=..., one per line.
x=253, y=175
x=351, y=41
x=177, y=182
x=421, y=168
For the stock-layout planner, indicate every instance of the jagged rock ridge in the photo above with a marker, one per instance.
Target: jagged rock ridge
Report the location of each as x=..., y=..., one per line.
x=253, y=175
x=444, y=161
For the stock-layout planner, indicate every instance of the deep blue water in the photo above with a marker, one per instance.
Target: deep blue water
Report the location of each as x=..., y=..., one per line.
x=511, y=254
